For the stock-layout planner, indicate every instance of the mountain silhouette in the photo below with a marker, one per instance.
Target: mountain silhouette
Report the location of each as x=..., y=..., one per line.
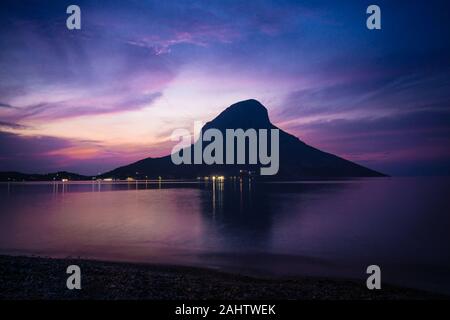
x=297, y=159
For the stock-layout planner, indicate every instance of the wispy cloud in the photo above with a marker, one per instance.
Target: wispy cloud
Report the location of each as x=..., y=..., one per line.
x=84, y=107
x=11, y=125
x=7, y=106
x=135, y=71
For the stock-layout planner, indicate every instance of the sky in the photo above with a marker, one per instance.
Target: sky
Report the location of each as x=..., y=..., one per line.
x=93, y=99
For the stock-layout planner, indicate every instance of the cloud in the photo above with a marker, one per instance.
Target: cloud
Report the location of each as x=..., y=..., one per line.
x=27, y=153
x=85, y=107
x=341, y=87
x=6, y=106
x=11, y=125
x=43, y=154
x=392, y=144
x=360, y=88
x=48, y=70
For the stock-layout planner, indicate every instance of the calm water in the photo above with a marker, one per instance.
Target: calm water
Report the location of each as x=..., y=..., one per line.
x=305, y=228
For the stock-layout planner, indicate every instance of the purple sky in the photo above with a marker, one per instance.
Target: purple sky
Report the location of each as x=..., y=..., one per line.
x=111, y=93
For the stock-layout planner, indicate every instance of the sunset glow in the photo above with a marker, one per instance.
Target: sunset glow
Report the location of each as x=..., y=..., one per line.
x=111, y=93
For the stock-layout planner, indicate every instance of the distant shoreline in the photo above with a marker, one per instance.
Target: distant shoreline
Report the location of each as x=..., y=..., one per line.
x=198, y=180
x=45, y=279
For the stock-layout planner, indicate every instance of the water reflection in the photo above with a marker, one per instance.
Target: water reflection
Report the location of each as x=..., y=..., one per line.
x=322, y=228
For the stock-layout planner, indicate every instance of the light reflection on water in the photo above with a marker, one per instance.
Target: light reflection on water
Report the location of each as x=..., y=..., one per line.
x=326, y=228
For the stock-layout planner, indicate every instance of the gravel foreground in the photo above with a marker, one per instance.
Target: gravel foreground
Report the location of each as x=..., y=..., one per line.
x=45, y=278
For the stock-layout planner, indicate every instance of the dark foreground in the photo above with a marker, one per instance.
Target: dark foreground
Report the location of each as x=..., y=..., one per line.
x=45, y=278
